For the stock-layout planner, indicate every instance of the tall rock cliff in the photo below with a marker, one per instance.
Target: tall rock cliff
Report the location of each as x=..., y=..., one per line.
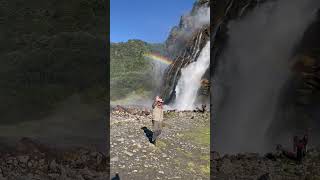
x=184, y=45
x=297, y=105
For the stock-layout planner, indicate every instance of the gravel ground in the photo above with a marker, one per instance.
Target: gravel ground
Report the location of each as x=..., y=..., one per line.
x=30, y=160
x=182, y=151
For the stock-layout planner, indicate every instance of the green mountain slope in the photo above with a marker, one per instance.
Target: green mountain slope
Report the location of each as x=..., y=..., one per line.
x=48, y=52
x=130, y=71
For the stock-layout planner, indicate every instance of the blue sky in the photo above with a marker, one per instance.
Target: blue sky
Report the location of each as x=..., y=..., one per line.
x=147, y=20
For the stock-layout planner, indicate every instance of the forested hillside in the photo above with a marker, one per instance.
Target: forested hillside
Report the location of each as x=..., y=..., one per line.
x=130, y=71
x=50, y=51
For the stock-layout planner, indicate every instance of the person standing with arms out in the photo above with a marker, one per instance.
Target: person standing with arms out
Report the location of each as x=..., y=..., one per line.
x=157, y=118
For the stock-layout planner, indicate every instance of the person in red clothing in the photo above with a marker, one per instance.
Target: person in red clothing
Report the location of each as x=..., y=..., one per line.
x=299, y=148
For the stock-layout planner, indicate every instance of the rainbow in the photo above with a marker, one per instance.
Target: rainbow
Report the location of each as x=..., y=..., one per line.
x=158, y=57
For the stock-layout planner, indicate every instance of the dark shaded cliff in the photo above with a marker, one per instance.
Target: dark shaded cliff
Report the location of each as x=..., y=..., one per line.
x=53, y=73
x=49, y=51
x=298, y=103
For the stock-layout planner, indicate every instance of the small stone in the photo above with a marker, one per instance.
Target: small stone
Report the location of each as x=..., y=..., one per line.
x=10, y=161
x=54, y=175
x=128, y=153
x=120, y=140
x=1, y=173
x=161, y=172
x=94, y=154
x=99, y=158
x=135, y=171
x=138, y=145
x=42, y=162
x=114, y=159
x=135, y=150
x=53, y=166
x=30, y=164
x=164, y=155
x=23, y=159
x=84, y=158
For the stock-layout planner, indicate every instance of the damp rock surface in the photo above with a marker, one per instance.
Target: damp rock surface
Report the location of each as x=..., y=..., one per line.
x=31, y=160
x=251, y=166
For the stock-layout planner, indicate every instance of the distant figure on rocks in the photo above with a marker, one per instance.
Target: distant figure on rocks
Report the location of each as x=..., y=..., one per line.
x=299, y=148
x=157, y=118
x=202, y=109
x=148, y=133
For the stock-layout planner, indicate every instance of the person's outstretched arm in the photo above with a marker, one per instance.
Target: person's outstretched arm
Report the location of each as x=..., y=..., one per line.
x=154, y=104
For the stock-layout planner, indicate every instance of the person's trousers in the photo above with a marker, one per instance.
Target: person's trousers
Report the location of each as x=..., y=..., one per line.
x=157, y=128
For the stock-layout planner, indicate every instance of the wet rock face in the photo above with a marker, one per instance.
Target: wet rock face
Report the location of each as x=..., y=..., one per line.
x=300, y=99
x=182, y=48
x=190, y=54
x=30, y=159
x=178, y=37
x=299, y=102
x=307, y=65
x=183, y=45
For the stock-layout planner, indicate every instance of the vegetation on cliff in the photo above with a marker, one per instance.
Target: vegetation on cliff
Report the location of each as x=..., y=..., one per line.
x=130, y=71
x=48, y=52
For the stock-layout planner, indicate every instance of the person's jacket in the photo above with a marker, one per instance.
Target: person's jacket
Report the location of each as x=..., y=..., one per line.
x=157, y=113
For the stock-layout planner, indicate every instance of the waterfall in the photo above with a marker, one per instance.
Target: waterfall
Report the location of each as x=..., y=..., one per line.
x=189, y=82
x=252, y=72
x=158, y=70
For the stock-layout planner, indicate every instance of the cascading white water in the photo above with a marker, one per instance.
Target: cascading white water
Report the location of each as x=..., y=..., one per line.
x=252, y=72
x=158, y=70
x=189, y=82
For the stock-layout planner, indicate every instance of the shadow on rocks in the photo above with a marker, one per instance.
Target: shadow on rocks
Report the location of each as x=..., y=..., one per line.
x=148, y=133
x=265, y=177
x=116, y=177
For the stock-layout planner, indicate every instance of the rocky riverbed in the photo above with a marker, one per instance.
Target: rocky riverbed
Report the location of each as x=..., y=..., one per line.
x=272, y=166
x=31, y=160
x=182, y=151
